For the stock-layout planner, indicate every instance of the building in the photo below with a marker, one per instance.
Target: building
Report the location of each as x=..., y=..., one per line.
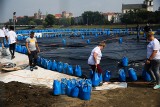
x=146, y=6
x=113, y=16
x=58, y=16
x=66, y=15
x=39, y=15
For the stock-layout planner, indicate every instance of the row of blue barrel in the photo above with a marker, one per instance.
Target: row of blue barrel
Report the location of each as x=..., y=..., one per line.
x=74, y=88
x=60, y=67
x=131, y=72
x=20, y=38
x=115, y=31
x=132, y=75
x=53, y=65
x=21, y=49
x=97, y=78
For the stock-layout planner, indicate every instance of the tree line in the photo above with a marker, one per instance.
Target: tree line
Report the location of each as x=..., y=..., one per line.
x=141, y=17
x=93, y=18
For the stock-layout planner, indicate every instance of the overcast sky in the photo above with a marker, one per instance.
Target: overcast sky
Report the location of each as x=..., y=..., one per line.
x=77, y=7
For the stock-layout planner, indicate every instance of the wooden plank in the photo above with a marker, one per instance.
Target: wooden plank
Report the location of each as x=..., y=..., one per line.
x=11, y=69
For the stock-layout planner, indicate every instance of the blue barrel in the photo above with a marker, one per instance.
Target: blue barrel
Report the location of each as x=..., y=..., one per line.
x=82, y=37
x=132, y=74
x=69, y=88
x=125, y=61
x=65, y=67
x=60, y=67
x=85, y=92
x=63, y=86
x=18, y=48
x=120, y=40
x=54, y=66
x=88, y=82
x=24, y=50
x=122, y=75
x=64, y=42
x=146, y=76
x=107, y=76
x=56, y=87
x=75, y=92
x=88, y=41
x=70, y=70
x=49, y=65
x=39, y=61
x=78, y=71
x=144, y=35
x=96, y=35
x=46, y=63
x=95, y=79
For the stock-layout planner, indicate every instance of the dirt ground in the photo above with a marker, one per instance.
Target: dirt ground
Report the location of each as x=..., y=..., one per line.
x=16, y=94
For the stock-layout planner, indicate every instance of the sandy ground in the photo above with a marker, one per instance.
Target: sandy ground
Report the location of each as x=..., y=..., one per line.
x=16, y=94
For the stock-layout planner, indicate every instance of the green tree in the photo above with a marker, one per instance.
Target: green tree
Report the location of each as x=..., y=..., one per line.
x=112, y=19
x=32, y=22
x=65, y=21
x=95, y=18
x=72, y=21
x=141, y=16
x=38, y=21
x=50, y=20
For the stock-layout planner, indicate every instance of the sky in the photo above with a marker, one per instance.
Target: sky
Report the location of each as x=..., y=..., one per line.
x=77, y=7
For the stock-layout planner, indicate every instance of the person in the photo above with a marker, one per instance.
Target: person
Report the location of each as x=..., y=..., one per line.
x=138, y=32
x=2, y=36
x=12, y=36
x=147, y=29
x=95, y=58
x=5, y=29
x=33, y=48
x=153, y=59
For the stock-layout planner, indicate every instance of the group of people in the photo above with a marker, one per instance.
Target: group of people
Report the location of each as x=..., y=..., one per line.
x=11, y=39
x=152, y=63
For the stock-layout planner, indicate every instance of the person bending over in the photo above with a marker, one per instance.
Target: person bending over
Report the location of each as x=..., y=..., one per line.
x=95, y=58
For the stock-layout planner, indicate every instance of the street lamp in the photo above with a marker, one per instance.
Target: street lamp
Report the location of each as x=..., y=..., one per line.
x=87, y=19
x=14, y=19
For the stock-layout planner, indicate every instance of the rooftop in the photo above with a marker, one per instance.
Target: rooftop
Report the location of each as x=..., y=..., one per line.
x=133, y=6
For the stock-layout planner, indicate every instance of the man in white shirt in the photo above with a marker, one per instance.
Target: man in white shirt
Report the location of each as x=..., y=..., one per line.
x=153, y=59
x=12, y=36
x=2, y=36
